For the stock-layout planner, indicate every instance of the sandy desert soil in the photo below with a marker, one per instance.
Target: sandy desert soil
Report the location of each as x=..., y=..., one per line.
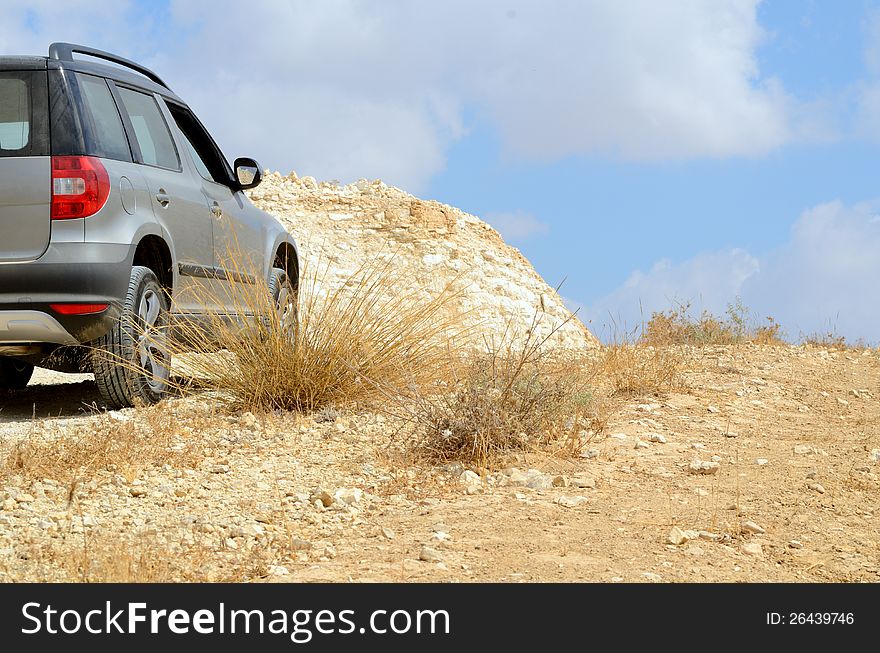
x=789, y=492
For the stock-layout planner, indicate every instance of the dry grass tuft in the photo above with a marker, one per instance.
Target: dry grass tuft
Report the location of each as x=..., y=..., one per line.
x=122, y=446
x=355, y=344
x=518, y=396
x=643, y=370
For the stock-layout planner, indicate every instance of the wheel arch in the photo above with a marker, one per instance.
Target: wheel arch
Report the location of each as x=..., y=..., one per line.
x=152, y=251
x=286, y=257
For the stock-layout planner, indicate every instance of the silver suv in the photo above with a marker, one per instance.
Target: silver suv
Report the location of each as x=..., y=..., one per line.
x=114, y=199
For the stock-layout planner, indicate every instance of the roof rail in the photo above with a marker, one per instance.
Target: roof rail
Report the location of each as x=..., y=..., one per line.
x=64, y=52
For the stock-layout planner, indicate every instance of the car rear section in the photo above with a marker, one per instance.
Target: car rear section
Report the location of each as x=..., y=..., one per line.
x=56, y=288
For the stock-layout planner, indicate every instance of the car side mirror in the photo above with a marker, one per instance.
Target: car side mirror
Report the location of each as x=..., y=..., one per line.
x=247, y=173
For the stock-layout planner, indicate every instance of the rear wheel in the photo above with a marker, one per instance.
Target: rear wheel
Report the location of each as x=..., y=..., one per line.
x=14, y=374
x=131, y=362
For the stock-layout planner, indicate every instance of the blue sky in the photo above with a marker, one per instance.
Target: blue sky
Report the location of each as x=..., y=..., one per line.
x=647, y=153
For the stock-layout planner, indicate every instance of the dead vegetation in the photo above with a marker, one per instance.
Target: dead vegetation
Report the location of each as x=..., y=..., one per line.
x=115, y=444
x=678, y=326
x=517, y=396
x=351, y=345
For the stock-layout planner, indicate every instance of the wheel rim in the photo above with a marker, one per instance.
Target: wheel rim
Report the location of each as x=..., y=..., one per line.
x=285, y=311
x=152, y=349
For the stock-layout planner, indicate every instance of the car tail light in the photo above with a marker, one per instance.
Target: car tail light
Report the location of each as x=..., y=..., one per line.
x=78, y=309
x=80, y=186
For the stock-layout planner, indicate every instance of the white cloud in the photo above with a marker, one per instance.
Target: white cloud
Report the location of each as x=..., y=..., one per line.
x=516, y=226
x=349, y=88
x=824, y=277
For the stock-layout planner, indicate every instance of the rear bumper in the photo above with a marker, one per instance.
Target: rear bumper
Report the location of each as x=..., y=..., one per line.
x=17, y=326
x=91, y=273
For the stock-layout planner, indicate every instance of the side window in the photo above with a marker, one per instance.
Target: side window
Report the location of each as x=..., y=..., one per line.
x=109, y=140
x=15, y=115
x=208, y=159
x=153, y=137
x=197, y=160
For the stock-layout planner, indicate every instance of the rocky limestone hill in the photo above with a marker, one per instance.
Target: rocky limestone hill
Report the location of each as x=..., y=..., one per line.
x=341, y=227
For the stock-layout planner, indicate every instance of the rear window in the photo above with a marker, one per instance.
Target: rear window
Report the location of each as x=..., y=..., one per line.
x=23, y=109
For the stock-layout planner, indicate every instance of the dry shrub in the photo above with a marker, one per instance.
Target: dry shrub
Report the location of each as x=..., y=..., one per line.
x=832, y=340
x=677, y=326
x=123, y=446
x=636, y=369
x=517, y=396
x=354, y=344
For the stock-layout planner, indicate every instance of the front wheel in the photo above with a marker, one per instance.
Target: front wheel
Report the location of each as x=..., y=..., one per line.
x=14, y=374
x=131, y=362
x=282, y=293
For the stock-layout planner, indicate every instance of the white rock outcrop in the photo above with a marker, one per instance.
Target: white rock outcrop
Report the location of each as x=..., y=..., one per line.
x=344, y=226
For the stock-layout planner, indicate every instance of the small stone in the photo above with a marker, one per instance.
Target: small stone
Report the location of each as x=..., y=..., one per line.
x=676, y=536
x=278, y=570
x=618, y=436
x=816, y=487
x=254, y=530
x=572, y=501
x=220, y=469
x=713, y=409
x=580, y=481
x=468, y=477
x=704, y=467
x=716, y=459
x=560, y=481
x=323, y=497
x=24, y=497
x=440, y=536
x=753, y=548
x=652, y=577
x=761, y=461
x=533, y=479
x=842, y=402
x=594, y=453
x=89, y=521
x=642, y=445
x=875, y=455
x=137, y=491
x=387, y=533
x=617, y=579
x=795, y=544
x=752, y=527
x=708, y=535
x=351, y=496
x=427, y=554
x=803, y=449
x=657, y=437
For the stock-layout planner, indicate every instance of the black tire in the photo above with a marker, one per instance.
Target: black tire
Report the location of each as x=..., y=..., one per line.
x=14, y=374
x=131, y=362
x=284, y=300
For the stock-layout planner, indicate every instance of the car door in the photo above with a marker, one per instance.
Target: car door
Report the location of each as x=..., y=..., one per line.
x=178, y=202
x=239, y=237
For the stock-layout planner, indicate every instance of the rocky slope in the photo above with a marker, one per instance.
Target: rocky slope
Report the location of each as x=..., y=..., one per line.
x=342, y=227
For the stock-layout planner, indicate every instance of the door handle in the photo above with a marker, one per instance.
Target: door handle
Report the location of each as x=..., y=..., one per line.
x=216, y=210
x=163, y=198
